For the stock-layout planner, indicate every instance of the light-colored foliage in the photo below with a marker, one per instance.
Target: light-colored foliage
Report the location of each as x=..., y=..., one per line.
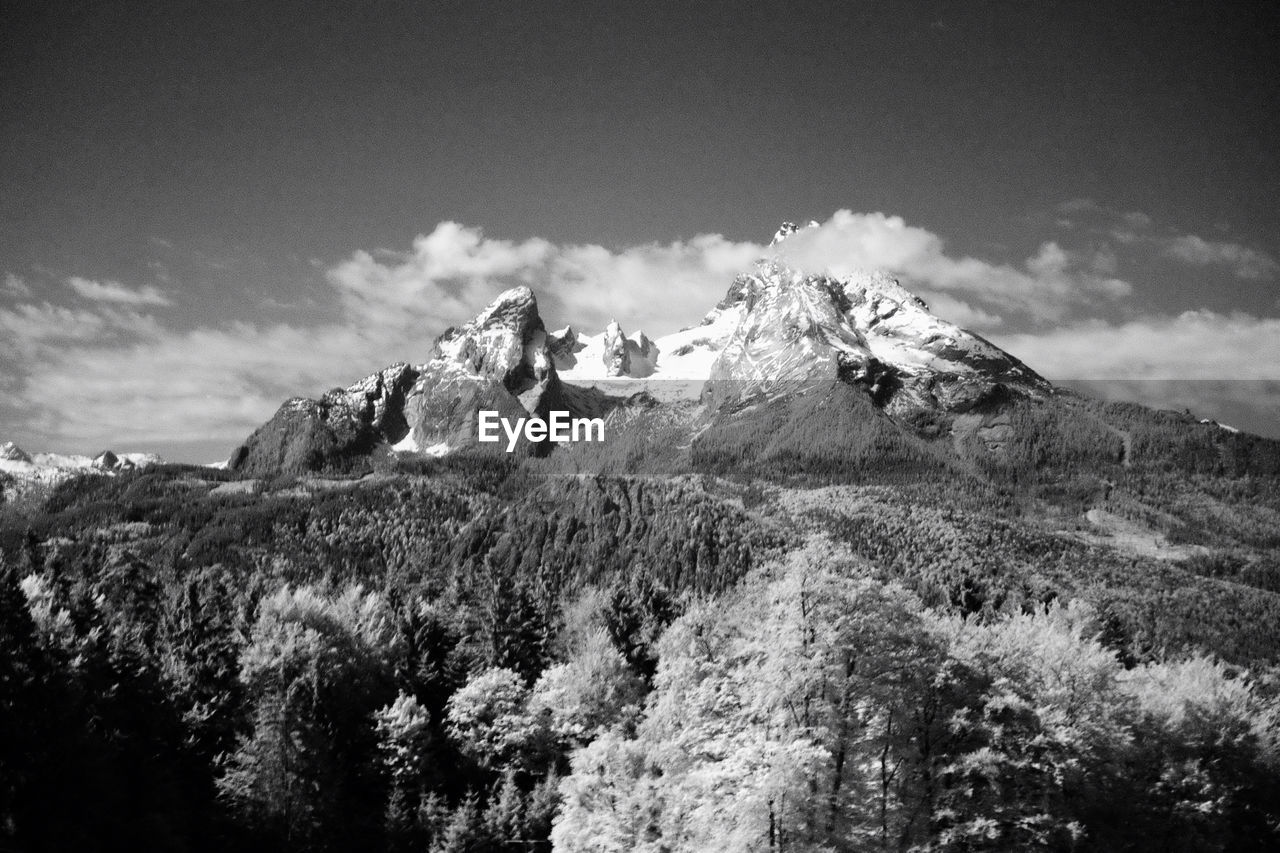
x=819, y=709
x=315, y=669
x=488, y=718
x=591, y=692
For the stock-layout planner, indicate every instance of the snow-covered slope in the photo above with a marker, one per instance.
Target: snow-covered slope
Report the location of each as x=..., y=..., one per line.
x=777, y=326
x=25, y=471
x=612, y=354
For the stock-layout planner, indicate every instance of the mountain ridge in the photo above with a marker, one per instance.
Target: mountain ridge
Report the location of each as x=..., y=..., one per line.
x=776, y=328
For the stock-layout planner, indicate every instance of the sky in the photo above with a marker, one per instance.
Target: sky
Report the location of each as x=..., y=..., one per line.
x=207, y=208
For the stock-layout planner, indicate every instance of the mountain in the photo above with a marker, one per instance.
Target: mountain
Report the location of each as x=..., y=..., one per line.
x=800, y=328
x=777, y=331
x=501, y=360
x=22, y=472
x=334, y=432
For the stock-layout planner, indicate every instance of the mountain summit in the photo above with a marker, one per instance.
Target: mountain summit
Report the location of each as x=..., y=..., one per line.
x=778, y=326
x=778, y=331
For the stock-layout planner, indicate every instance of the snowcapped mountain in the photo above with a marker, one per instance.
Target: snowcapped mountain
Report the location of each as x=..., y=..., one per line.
x=501, y=360
x=24, y=471
x=778, y=326
x=778, y=330
x=612, y=354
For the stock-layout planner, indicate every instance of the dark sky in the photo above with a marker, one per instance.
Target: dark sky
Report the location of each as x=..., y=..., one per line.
x=263, y=141
x=313, y=128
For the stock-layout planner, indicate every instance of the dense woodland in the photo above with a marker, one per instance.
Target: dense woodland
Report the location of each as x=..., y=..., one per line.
x=899, y=641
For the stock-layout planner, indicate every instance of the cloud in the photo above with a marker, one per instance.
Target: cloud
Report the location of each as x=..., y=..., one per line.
x=1243, y=262
x=38, y=331
x=959, y=312
x=1192, y=345
x=14, y=286
x=114, y=291
x=455, y=270
x=214, y=384
x=1048, y=286
x=1134, y=228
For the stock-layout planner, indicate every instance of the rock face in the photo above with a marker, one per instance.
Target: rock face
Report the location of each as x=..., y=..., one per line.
x=13, y=453
x=565, y=346
x=502, y=360
x=617, y=361
x=335, y=432
x=793, y=333
x=624, y=356
x=795, y=329
x=106, y=460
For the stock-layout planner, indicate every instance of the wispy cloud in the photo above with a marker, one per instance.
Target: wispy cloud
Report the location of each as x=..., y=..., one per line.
x=455, y=270
x=1242, y=261
x=114, y=291
x=1192, y=345
x=14, y=286
x=1046, y=287
x=1134, y=228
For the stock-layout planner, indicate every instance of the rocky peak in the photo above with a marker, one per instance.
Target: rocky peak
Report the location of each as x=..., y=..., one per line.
x=377, y=401
x=788, y=228
x=506, y=341
x=617, y=361
x=13, y=453
x=106, y=460
x=504, y=359
x=793, y=331
x=564, y=346
x=801, y=326
x=623, y=356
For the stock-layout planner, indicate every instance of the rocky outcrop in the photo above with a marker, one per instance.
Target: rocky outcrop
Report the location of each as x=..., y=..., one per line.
x=787, y=229
x=797, y=328
x=502, y=360
x=624, y=356
x=11, y=452
x=335, y=433
x=644, y=355
x=565, y=346
x=617, y=361
x=107, y=461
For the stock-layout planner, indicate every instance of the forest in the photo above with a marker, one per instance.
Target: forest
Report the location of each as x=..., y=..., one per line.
x=788, y=644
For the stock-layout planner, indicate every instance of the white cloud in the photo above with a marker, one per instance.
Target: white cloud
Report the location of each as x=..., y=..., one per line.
x=959, y=312
x=215, y=384
x=14, y=286
x=1134, y=228
x=114, y=291
x=39, y=331
x=1192, y=345
x=1242, y=261
x=454, y=271
x=1048, y=286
